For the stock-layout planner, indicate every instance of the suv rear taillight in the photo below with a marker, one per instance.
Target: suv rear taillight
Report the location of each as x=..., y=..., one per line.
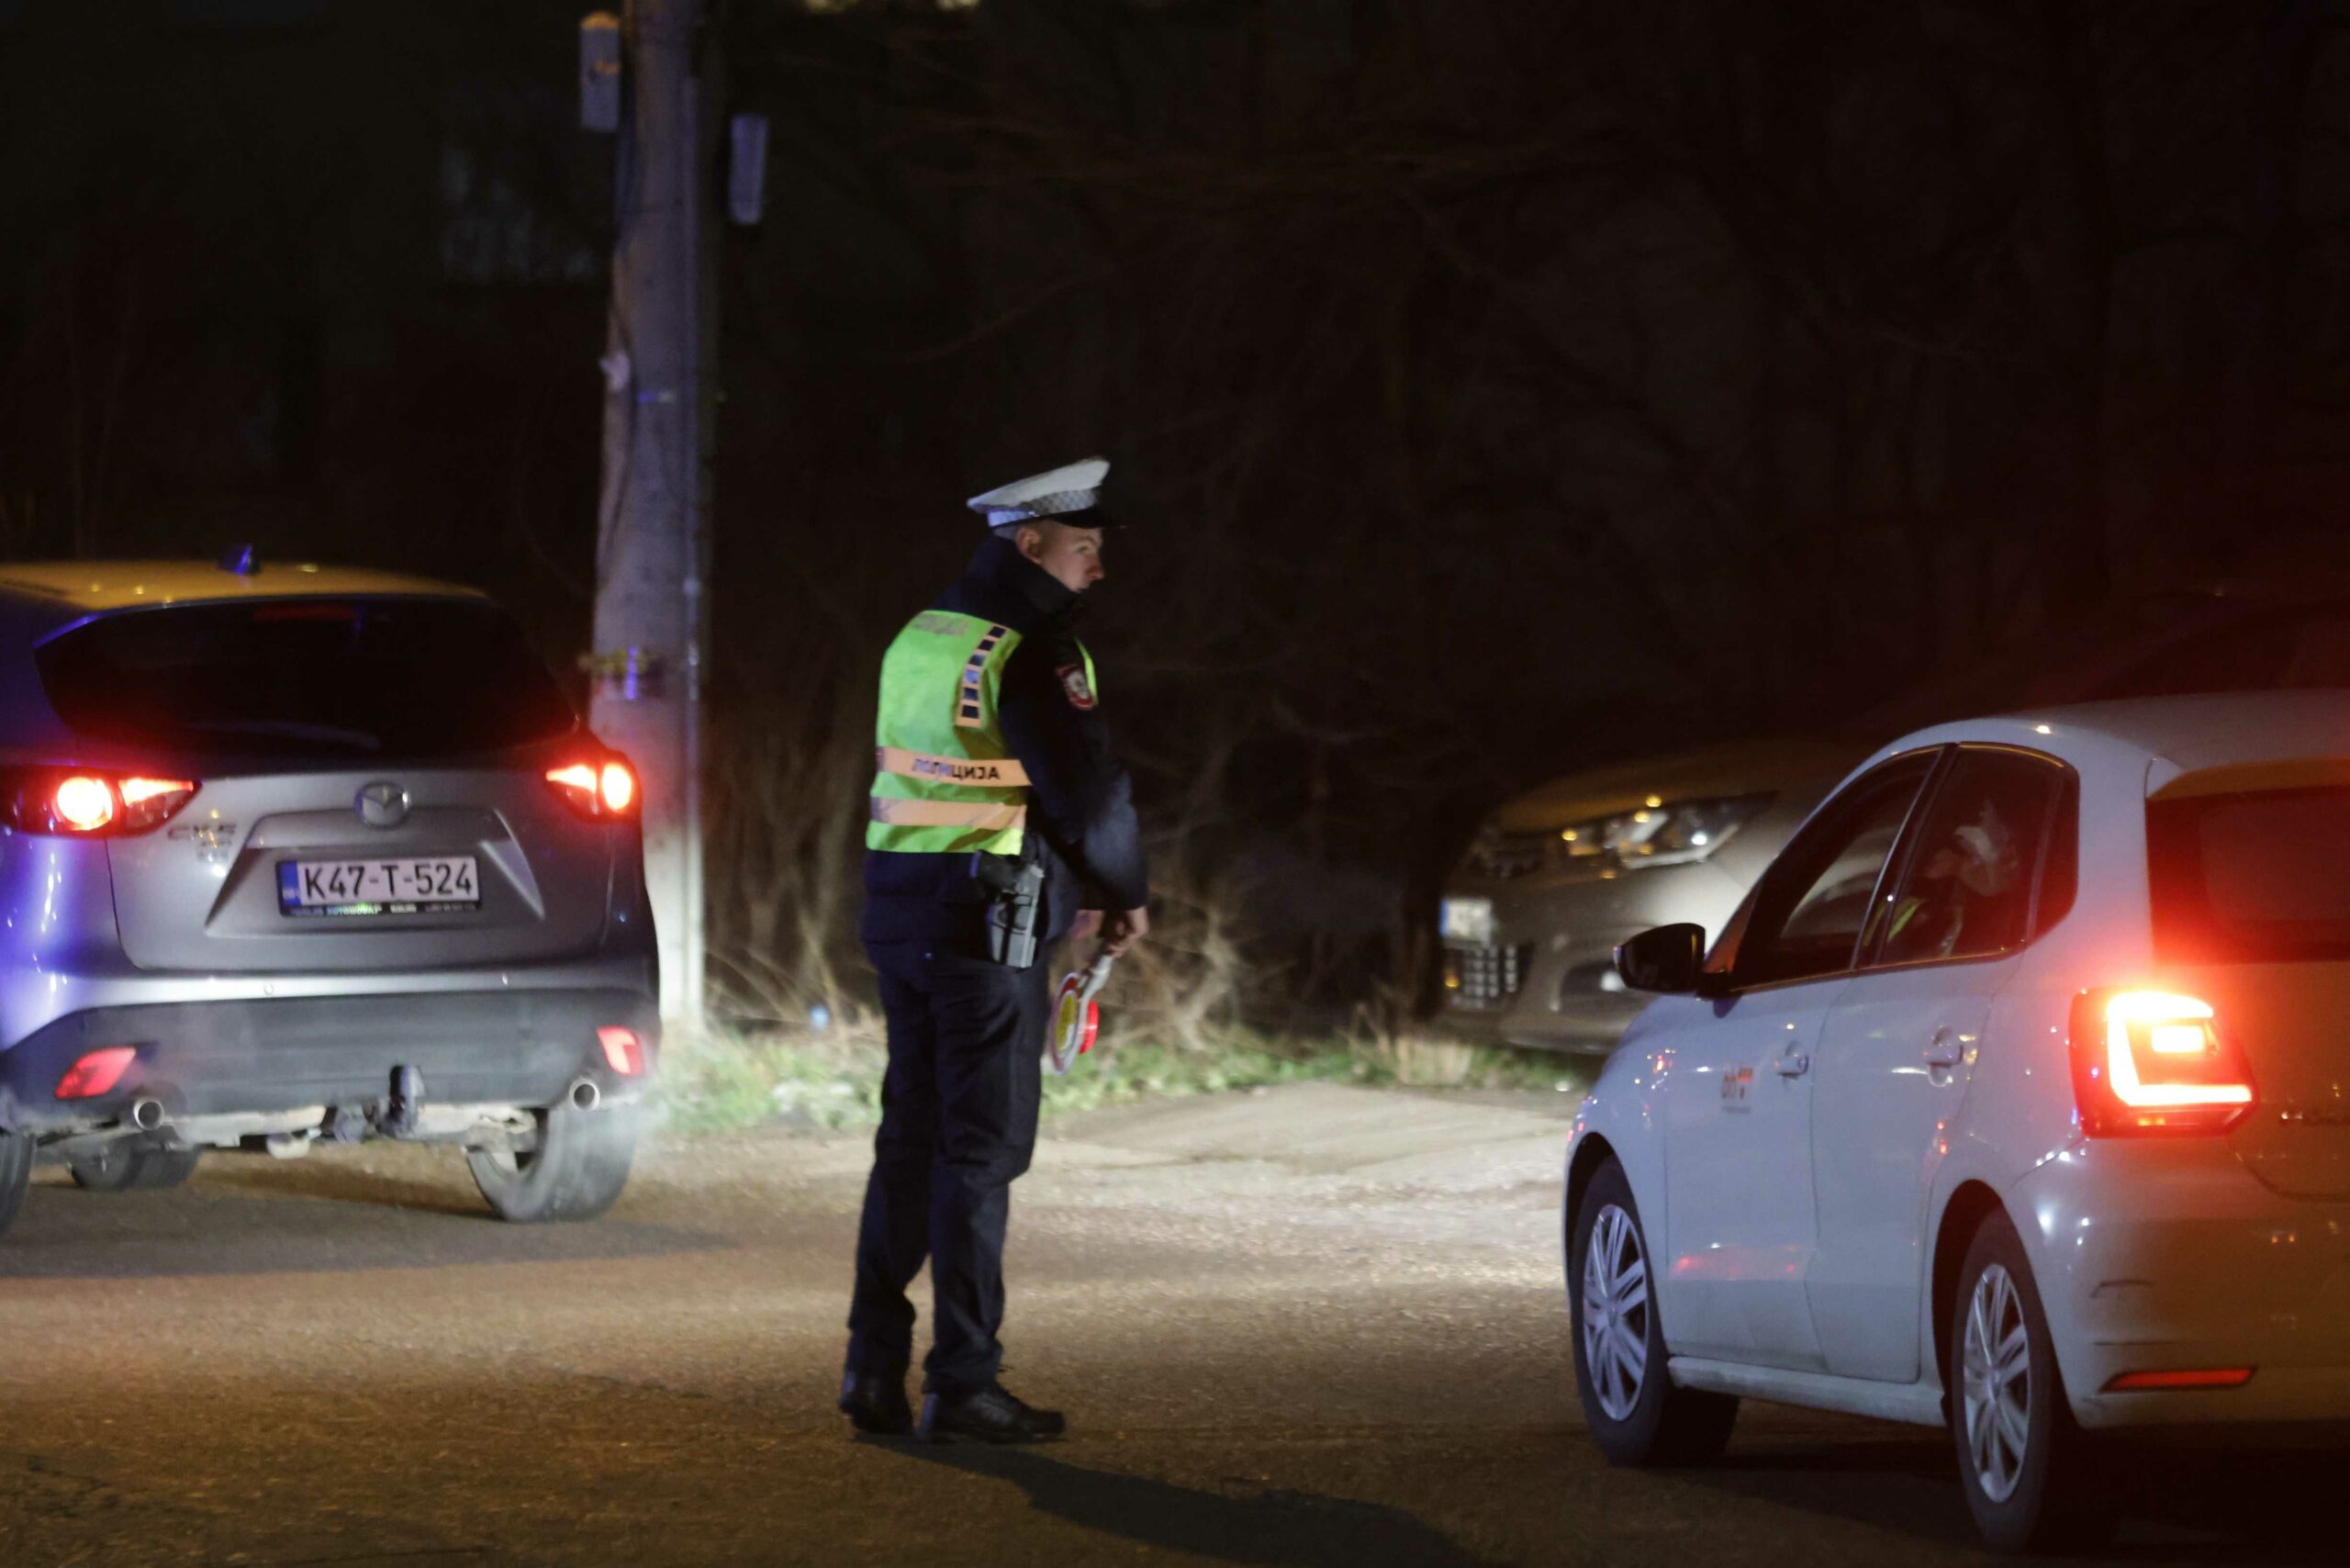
x=2150, y=1062
x=623, y=1051
x=76, y=802
x=602, y=788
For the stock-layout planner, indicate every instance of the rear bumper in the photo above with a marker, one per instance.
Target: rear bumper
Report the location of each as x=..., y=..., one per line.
x=2169, y=1257
x=247, y=1057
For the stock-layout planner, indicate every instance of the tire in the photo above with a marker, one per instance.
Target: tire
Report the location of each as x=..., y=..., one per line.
x=125, y=1166
x=16, y=1175
x=2028, y=1469
x=577, y=1172
x=1636, y=1415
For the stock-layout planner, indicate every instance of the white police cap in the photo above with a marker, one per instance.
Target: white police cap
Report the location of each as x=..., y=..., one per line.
x=1057, y=493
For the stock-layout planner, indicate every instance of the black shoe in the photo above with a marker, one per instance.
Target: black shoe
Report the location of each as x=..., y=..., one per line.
x=989, y=1414
x=877, y=1404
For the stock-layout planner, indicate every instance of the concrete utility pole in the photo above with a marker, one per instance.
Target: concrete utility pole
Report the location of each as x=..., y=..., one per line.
x=651, y=540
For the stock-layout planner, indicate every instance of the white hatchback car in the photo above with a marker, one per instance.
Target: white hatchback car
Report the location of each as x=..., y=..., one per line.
x=2015, y=1098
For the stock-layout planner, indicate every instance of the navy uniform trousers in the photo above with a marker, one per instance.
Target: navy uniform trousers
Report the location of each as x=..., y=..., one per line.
x=958, y=1122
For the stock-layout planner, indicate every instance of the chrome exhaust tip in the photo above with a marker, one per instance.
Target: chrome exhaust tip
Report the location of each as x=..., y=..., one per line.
x=147, y=1116
x=586, y=1095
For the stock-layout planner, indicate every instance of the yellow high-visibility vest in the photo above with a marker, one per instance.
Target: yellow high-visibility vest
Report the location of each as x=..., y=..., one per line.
x=944, y=782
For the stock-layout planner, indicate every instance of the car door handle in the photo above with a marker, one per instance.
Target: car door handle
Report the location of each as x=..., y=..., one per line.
x=1795, y=1064
x=1942, y=1051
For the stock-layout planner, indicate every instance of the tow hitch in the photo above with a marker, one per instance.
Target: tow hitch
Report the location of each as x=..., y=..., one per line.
x=395, y=1116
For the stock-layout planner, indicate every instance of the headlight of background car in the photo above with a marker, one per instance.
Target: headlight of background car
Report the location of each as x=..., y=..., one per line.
x=1659, y=835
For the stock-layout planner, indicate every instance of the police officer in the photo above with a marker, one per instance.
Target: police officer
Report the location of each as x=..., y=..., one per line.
x=995, y=797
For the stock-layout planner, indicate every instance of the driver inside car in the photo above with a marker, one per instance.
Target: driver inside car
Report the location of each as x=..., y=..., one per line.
x=1972, y=879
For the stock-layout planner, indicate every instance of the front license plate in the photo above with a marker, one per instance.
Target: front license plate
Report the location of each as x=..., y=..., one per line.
x=1466, y=920
x=420, y=886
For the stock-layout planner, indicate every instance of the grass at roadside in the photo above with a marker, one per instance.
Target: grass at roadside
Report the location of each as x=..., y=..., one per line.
x=727, y=1079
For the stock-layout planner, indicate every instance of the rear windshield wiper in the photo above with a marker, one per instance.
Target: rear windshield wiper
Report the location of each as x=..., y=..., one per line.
x=292, y=729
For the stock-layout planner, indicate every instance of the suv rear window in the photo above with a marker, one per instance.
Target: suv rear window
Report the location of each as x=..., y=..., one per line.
x=327, y=677
x=2253, y=878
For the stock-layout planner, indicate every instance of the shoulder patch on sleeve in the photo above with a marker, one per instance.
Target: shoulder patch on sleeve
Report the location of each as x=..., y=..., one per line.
x=1075, y=687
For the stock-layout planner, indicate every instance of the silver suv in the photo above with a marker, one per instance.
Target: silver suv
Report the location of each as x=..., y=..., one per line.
x=305, y=855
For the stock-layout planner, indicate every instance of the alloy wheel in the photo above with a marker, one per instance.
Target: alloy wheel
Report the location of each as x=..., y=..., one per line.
x=1616, y=1311
x=1995, y=1366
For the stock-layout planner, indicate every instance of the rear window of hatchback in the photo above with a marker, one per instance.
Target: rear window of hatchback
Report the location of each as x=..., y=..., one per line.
x=2257, y=876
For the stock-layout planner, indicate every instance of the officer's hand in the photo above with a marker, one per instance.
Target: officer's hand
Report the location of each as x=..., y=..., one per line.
x=1087, y=924
x=1123, y=929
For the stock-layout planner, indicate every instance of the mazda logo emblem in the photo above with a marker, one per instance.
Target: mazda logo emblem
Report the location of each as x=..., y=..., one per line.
x=382, y=804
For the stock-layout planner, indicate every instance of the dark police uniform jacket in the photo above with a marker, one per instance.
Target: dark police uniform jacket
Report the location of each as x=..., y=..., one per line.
x=1081, y=810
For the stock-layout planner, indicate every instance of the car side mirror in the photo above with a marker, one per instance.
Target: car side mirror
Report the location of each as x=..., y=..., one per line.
x=1666, y=959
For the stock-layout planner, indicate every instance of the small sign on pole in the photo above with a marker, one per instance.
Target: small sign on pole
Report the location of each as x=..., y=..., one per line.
x=600, y=72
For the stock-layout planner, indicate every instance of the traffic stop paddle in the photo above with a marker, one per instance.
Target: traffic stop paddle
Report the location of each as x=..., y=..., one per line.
x=1079, y=1017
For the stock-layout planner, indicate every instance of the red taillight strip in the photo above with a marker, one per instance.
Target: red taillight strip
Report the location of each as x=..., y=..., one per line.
x=2197, y=1377
x=75, y=803
x=95, y=1073
x=602, y=789
x=623, y=1051
x=2160, y=1013
x=2187, y=1076
x=137, y=791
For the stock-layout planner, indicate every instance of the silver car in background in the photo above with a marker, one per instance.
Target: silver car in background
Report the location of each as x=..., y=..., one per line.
x=1557, y=877
x=306, y=855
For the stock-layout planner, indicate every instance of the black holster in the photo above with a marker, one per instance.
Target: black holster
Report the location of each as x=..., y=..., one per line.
x=1015, y=887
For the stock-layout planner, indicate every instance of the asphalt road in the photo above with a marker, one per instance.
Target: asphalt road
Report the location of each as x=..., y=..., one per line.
x=1314, y=1326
